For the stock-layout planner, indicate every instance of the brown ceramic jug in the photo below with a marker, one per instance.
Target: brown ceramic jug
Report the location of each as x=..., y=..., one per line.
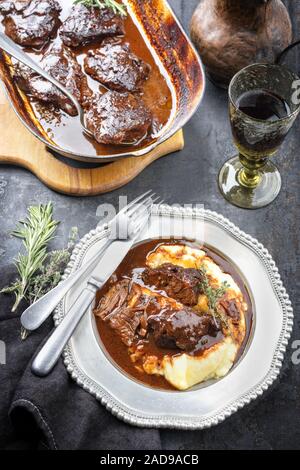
x=231, y=34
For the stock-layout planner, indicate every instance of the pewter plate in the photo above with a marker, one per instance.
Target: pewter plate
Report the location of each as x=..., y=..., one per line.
x=210, y=403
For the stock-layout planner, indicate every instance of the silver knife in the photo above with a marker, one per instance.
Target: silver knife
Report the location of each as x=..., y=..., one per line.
x=53, y=348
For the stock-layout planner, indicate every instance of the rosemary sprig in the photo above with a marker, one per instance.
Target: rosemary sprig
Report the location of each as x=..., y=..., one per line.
x=35, y=232
x=113, y=4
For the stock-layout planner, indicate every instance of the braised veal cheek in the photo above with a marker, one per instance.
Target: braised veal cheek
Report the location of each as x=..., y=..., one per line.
x=116, y=67
x=85, y=25
x=179, y=283
x=30, y=22
x=118, y=118
x=62, y=64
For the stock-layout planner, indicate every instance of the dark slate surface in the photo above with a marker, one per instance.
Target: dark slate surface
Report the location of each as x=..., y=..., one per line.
x=189, y=177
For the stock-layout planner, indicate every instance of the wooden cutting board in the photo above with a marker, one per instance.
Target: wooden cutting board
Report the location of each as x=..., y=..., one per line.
x=19, y=147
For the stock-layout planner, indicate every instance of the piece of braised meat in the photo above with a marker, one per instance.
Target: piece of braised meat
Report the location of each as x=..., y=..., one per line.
x=231, y=310
x=30, y=22
x=115, y=298
x=61, y=64
x=179, y=283
x=118, y=118
x=134, y=312
x=183, y=329
x=88, y=24
x=115, y=309
x=116, y=67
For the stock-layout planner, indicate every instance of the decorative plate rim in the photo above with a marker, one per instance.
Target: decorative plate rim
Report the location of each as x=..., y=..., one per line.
x=185, y=423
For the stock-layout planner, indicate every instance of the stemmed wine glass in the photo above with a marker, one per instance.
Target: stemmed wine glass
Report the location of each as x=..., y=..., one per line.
x=264, y=102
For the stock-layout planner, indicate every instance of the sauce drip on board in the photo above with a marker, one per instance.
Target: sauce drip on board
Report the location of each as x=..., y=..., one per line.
x=132, y=267
x=66, y=132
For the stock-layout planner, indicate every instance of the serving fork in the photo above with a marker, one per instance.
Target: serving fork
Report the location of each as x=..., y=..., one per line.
x=33, y=317
x=130, y=223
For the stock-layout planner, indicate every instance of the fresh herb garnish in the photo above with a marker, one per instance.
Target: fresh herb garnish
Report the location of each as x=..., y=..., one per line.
x=35, y=232
x=213, y=294
x=113, y=4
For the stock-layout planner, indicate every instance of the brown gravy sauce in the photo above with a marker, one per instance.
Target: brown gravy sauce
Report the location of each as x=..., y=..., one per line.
x=66, y=132
x=131, y=267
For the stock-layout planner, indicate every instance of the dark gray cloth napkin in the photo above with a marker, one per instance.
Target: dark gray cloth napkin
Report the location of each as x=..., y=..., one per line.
x=54, y=412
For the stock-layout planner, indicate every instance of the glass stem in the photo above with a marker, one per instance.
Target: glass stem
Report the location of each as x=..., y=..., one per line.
x=250, y=175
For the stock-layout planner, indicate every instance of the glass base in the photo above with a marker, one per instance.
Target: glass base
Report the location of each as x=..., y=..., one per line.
x=263, y=194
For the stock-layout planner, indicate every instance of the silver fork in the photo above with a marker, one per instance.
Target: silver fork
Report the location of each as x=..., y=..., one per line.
x=36, y=314
x=131, y=224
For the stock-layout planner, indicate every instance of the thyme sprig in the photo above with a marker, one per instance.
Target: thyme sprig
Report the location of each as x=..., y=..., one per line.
x=113, y=4
x=35, y=231
x=51, y=272
x=213, y=294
